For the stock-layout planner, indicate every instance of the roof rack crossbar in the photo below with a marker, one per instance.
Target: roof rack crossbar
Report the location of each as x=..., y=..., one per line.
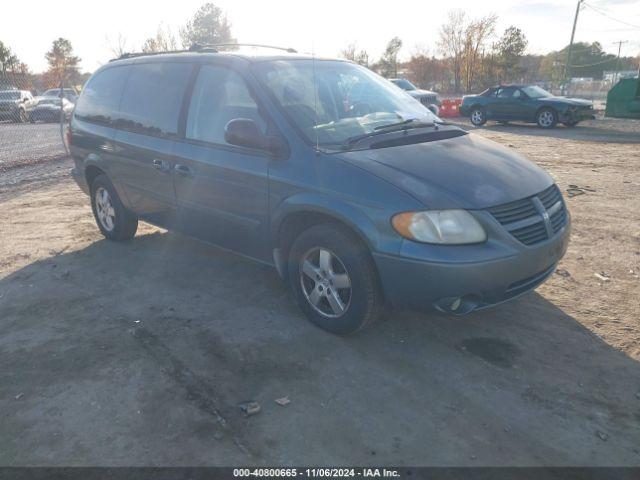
x=196, y=46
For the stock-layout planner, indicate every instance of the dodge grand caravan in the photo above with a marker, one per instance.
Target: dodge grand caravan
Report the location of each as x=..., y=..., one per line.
x=357, y=194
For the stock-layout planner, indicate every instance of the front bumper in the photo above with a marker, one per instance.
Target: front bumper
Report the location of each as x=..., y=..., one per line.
x=574, y=115
x=460, y=286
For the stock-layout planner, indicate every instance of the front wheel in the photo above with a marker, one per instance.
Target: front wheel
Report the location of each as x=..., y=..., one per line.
x=478, y=117
x=114, y=220
x=334, y=279
x=547, y=118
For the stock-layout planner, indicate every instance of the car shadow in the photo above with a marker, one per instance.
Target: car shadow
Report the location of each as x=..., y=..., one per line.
x=588, y=131
x=141, y=353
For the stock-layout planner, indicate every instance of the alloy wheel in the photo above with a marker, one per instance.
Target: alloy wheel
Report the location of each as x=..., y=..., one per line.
x=477, y=117
x=545, y=119
x=104, y=209
x=325, y=282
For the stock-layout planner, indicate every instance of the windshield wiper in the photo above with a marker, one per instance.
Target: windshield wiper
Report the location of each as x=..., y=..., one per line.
x=418, y=123
x=405, y=125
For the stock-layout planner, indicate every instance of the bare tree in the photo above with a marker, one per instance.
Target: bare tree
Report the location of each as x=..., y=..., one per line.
x=463, y=43
x=424, y=70
x=452, y=43
x=118, y=46
x=477, y=34
x=164, y=41
x=352, y=53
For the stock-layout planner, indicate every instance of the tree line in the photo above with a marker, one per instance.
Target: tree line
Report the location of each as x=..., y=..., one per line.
x=468, y=56
x=209, y=25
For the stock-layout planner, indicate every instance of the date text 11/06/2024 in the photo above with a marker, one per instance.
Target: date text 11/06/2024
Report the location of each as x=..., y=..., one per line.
x=316, y=472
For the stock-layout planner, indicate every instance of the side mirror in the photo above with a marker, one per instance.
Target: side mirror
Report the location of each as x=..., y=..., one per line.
x=244, y=132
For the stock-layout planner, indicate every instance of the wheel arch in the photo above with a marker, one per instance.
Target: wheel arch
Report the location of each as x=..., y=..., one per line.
x=547, y=107
x=298, y=214
x=91, y=171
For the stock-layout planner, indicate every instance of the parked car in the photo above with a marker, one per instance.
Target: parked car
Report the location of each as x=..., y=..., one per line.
x=527, y=103
x=15, y=105
x=354, y=191
x=48, y=109
x=68, y=93
x=429, y=99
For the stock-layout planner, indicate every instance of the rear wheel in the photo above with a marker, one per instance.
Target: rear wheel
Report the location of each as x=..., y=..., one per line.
x=334, y=279
x=547, y=118
x=114, y=220
x=478, y=116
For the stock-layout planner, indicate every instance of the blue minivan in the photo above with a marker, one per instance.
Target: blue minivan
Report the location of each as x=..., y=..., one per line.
x=354, y=191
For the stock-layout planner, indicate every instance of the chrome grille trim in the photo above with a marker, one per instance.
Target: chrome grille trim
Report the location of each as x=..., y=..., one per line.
x=534, y=219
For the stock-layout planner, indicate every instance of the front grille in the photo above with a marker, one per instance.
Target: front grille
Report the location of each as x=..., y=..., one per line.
x=428, y=100
x=534, y=219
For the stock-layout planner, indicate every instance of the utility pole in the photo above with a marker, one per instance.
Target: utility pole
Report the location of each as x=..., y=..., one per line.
x=618, y=62
x=573, y=33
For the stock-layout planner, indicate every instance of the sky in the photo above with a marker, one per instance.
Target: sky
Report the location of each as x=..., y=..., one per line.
x=324, y=27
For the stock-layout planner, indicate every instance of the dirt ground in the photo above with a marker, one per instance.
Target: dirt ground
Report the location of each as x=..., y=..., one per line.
x=139, y=353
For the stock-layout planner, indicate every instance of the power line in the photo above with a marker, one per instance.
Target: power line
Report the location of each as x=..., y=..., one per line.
x=604, y=14
x=594, y=64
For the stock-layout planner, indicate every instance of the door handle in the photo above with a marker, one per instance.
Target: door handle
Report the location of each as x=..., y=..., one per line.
x=182, y=170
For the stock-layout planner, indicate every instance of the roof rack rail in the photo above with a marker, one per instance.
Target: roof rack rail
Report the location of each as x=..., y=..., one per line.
x=198, y=47
x=144, y=54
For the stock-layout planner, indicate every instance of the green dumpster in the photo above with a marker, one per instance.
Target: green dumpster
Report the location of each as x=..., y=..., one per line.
x=623, y=100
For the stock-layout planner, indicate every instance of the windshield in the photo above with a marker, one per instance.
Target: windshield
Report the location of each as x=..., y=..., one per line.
x=404, y=84
x=536, y=92
x=9, y=95
x=332, y=102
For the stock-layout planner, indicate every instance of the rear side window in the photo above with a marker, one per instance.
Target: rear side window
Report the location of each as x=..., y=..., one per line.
x=219, y=95
x=101, y=96
x=152, y=98
x=506, y=92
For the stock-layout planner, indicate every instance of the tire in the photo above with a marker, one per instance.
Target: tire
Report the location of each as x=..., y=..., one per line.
x=349, y=263
x=478, y=116
x=570, y=124
x=547, y=118
x=113, y=219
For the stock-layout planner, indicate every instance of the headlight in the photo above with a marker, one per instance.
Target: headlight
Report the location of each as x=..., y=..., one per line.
x=452, y=227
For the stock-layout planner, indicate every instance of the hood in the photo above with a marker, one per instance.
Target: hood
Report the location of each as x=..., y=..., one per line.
x=468, y=172
x=574, y=102
x=420, y=93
